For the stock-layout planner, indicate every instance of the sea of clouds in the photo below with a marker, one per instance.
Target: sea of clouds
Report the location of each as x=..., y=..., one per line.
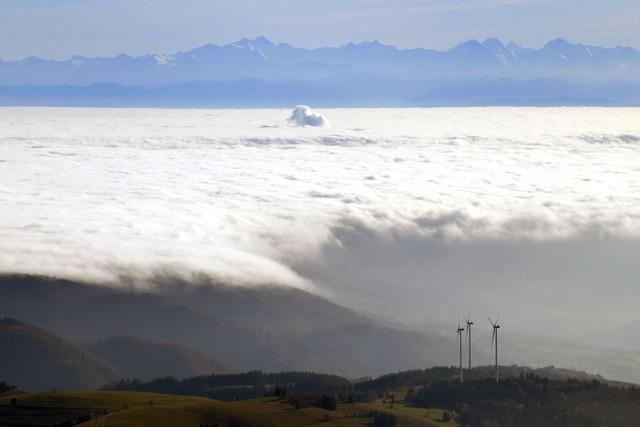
x=410, y=214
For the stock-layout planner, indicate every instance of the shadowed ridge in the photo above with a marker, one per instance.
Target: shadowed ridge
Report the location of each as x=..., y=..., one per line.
x=264, y=328
x=35, y=359
x=144, y=359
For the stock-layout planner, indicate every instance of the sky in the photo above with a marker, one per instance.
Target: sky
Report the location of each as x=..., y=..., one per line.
x=62, y=28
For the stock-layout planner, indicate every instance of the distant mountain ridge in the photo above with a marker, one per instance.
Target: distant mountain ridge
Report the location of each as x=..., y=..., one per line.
x=262, y=59
x=260, y=73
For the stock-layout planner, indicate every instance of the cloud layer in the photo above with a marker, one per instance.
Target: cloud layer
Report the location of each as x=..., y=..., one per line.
x=389, y=211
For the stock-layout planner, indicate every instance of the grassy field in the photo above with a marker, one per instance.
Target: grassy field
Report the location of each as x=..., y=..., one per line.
x=409, y=416
x=120, y=409
x=46, y=409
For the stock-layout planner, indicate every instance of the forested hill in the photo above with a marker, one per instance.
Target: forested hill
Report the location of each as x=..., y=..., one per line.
x=241, y=386
x=523, y=398
x=420, y=377
x=257, y=383
x=532, y=401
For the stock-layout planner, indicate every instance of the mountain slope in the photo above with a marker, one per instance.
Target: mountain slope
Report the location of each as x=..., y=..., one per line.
x=88, y=313
x=143, y=359
x=244, y=328
x=35, y=359
x=290, y=311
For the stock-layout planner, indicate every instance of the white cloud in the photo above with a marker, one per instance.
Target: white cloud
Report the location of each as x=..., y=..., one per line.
x=368, y=210
x=303, y=115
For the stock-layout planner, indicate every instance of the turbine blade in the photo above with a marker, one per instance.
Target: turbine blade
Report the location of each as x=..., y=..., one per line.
x=490, y=321
x=493, y=337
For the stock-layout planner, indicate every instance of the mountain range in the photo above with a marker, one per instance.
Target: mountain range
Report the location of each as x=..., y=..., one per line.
x=264, y=60
x=261, y=73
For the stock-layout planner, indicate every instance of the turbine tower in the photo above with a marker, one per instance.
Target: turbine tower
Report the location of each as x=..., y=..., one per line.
x=459, y=339
x=494, y=340
x=469, y=324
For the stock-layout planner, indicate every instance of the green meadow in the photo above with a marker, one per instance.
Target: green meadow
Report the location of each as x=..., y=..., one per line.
x=134, y=409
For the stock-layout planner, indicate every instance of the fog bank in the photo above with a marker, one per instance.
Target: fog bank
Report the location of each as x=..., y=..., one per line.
x=410, y=214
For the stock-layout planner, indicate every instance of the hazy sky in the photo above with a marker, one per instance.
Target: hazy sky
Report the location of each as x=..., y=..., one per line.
x=62, y=28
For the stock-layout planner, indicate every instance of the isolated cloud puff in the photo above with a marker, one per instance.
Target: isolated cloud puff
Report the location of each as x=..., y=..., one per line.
x=302, y=115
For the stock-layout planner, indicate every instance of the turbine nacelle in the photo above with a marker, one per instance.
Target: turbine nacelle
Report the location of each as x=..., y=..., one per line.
x=495, y=323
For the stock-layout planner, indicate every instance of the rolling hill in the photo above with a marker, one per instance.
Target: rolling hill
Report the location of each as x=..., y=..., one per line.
x=143, y=359
x=426, y=398
x=114, y=409
x=35, y=359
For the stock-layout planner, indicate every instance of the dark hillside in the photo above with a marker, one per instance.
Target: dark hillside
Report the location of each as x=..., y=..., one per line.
x=143, y=359
x=267, y=328
x=532, y=401
x=35, y=359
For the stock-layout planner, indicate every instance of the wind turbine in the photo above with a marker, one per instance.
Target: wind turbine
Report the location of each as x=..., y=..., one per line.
x=469, y=324
x=494, y=339
x=459, y=339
